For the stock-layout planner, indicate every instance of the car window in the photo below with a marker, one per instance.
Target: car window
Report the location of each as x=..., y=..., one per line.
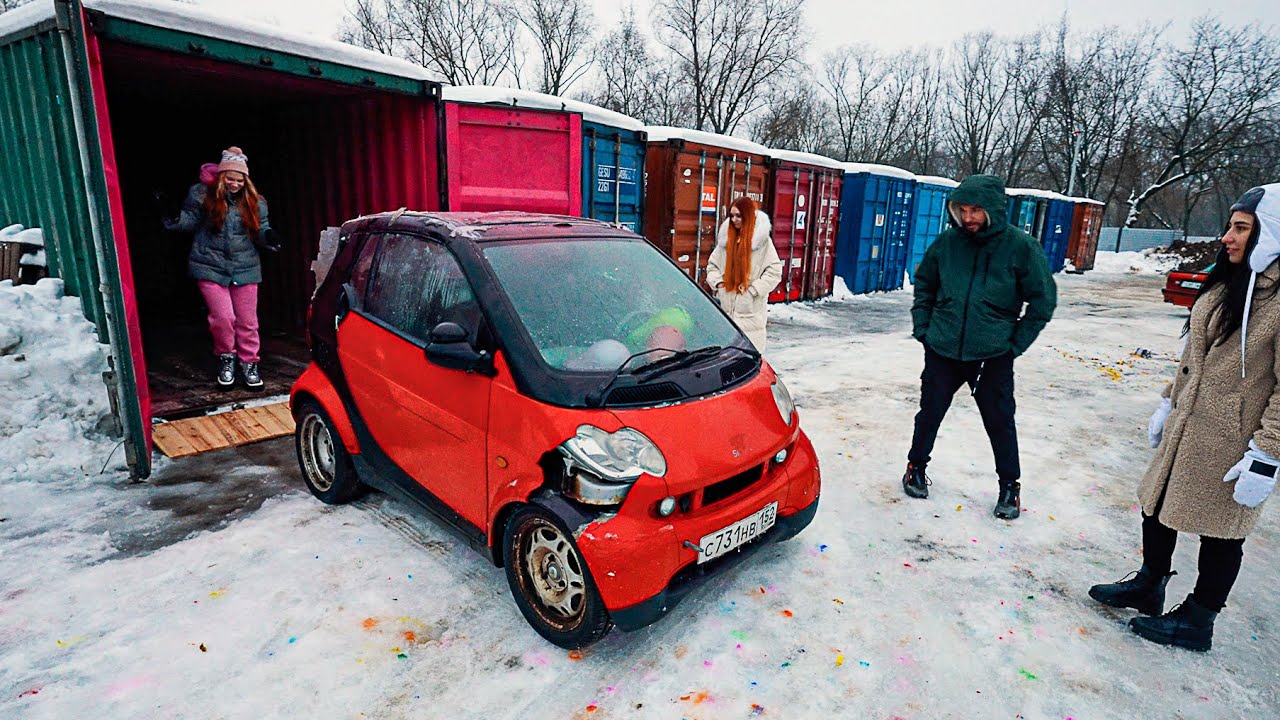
x=589, y=304
x=364, y=263
x=417, y=284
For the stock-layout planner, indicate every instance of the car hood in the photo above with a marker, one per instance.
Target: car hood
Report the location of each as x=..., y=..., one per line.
x=713, y=438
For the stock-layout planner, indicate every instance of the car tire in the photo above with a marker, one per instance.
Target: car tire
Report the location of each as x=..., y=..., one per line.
x=325, y=463
x=550, y=581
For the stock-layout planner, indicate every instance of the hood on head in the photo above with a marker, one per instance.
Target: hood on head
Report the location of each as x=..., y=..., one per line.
x=986, y=191
x=1264, y=203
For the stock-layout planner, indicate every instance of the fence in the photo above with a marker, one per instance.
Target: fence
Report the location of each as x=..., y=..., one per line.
x=1135, y=239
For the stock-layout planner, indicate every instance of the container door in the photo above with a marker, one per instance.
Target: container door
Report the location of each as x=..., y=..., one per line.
x=613, y=165
x=792, y=225
x=505, y=158
x=899, y=238
x=128, y=376
x=820, y=262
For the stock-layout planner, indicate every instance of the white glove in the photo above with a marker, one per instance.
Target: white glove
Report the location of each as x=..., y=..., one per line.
x=1155, y=426
x=1255, y=476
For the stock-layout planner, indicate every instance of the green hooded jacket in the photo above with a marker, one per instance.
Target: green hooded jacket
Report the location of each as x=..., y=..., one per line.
x=971, y=288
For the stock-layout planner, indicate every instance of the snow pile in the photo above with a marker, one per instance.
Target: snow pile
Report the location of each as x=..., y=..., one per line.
x=55, y=403
x=1146, y=261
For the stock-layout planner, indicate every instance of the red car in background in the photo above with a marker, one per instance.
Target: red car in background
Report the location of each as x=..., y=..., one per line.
x=1183, y=287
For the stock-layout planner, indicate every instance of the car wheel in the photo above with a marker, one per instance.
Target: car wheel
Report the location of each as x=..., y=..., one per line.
x=326, y=465
x=550, y=581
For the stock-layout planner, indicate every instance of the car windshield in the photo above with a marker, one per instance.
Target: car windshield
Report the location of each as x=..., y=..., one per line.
x=590, y=304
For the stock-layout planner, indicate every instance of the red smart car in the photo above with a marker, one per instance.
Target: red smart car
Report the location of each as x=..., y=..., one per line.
x=561, y=393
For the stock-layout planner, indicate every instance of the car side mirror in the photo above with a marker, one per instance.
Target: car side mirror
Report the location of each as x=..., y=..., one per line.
x=449, y=347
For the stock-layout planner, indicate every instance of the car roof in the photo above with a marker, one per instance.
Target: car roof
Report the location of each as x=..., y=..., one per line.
x=487, y=226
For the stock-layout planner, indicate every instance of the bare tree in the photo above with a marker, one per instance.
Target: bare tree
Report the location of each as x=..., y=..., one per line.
x=1209, y=106
x=625, y=66
x=796, y=120
x=467, y=42
x=852, y=77
x=977, y=89
x=729, y=51
x=6, y=5
x=561, y=31
x=1026, y=74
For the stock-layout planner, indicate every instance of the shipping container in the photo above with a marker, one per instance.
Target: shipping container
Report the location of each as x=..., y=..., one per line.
x=691, y=177
x=929, y=216
x=803, y=200
x=875, y=227
x=511, y=149
x=1086, y=225
x=1056, y=232
x=1026, y=210
x=107, y=110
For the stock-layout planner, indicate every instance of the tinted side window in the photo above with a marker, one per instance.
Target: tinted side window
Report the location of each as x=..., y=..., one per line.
x=363, y=265
x=416, y=285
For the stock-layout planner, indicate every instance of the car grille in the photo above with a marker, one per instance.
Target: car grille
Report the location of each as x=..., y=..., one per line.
x=645, y=394
x=728, y=488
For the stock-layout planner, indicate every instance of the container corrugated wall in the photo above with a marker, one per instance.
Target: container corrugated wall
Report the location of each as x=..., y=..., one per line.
x=613, y=175
x=505, y=158
x=800, y=200
x=43, y=176
x=689, y=187
x=1086, y=225
x=875, y=228
x=928, y=220
x=1056, y=231
x=819, y=281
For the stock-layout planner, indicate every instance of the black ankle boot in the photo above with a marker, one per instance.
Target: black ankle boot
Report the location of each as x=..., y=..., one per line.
x=914, y=482
x=1188, y=625
x=226, y=370
x=1009, y=504
x=1141, y=591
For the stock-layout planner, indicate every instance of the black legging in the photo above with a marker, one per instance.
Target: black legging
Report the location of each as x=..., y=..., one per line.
x=1219, y=561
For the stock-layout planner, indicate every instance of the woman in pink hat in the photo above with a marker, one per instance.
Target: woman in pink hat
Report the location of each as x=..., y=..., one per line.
x=229, y=219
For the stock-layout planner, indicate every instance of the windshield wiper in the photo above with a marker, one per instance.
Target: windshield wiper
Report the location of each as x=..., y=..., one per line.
x=596, y=397
x=666, y=365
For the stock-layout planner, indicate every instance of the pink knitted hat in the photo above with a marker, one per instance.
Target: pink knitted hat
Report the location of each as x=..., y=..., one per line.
x=233, y=158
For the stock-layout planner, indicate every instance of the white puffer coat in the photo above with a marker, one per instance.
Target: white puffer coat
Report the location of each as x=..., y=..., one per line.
x=750, y=309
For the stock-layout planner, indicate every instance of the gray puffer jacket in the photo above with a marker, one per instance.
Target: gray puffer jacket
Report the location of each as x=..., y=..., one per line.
x=229, y=257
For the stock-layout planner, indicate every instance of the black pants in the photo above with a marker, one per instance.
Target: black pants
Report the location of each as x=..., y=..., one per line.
x=1219, y=561
x=991, y=382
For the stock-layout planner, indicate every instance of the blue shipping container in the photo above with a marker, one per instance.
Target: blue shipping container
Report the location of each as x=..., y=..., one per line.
x=1056, y=231
x=1022, y=212
x=875, y=227
x=613, y=174
x=928, y=218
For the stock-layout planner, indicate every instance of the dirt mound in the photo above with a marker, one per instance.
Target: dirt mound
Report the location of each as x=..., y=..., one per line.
x=1193, y=256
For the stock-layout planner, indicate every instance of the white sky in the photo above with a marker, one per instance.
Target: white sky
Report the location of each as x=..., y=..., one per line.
x=891, y=25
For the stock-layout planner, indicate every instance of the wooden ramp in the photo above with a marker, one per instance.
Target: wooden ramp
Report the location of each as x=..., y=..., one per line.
x=192, y=436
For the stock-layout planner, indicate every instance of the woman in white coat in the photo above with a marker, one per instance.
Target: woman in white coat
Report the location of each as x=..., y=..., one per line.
x=744, y=268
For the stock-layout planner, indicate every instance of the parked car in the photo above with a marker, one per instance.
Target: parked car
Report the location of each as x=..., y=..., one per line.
x=562, y=394
x=1183, y=287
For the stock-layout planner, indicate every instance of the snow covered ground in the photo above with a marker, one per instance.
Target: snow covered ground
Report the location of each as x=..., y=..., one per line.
x=220, y=588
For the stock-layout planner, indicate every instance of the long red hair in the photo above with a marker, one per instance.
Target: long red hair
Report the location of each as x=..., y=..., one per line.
x=215, y=205
x=737, y=251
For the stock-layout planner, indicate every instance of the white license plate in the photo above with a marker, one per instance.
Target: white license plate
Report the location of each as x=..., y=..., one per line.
x=737, y=534
x=1191, y=284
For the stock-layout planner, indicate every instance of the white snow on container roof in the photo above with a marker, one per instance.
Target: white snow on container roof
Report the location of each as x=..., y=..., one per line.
x=224, y=26
x=1085, y=200
x=875, y=169
x=1034, y=192
x=659, y=133
x=528, y=98
x=805, y=158
x=937, y=180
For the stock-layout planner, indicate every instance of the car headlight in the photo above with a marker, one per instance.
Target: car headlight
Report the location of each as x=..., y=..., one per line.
x=786, y=406
x=620, y=456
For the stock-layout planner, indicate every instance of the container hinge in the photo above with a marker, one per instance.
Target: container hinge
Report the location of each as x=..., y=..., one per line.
x=113, y=399
x=314, y=69
x=197, y=48
x=266, y=61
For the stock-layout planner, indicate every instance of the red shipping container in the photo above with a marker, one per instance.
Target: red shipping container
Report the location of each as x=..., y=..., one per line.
x=691, y=177
x=1086, y=226
x=803, y=199
x=502, y=155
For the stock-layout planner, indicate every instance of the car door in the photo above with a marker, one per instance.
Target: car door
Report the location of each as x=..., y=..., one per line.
x=430, y=421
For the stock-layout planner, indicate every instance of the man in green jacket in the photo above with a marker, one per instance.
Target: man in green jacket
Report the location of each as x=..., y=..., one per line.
x=982, y=294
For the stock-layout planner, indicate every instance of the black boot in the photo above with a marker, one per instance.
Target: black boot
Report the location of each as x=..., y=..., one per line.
x=1188, y=625
x=251, y=376
x=1009, y=504
x=1140, y=590
x=914, y=482
x=226, y=370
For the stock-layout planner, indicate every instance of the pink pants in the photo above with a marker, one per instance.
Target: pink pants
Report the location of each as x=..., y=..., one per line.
x=233, y=318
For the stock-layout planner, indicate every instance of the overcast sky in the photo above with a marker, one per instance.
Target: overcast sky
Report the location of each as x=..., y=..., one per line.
x=889, y=24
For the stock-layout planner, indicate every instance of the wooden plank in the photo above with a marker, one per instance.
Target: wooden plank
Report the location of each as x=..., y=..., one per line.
x=192, y=436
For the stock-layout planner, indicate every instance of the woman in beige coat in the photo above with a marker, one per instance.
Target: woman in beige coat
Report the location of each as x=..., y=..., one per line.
x=1217, y=433
x=744, y=268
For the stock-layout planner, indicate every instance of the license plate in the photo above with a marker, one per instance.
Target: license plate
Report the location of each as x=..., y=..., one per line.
x=737, y=534
x=1191, y=284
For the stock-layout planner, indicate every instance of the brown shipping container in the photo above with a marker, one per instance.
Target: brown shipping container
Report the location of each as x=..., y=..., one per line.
x=691, y=177
x=1086, y=226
